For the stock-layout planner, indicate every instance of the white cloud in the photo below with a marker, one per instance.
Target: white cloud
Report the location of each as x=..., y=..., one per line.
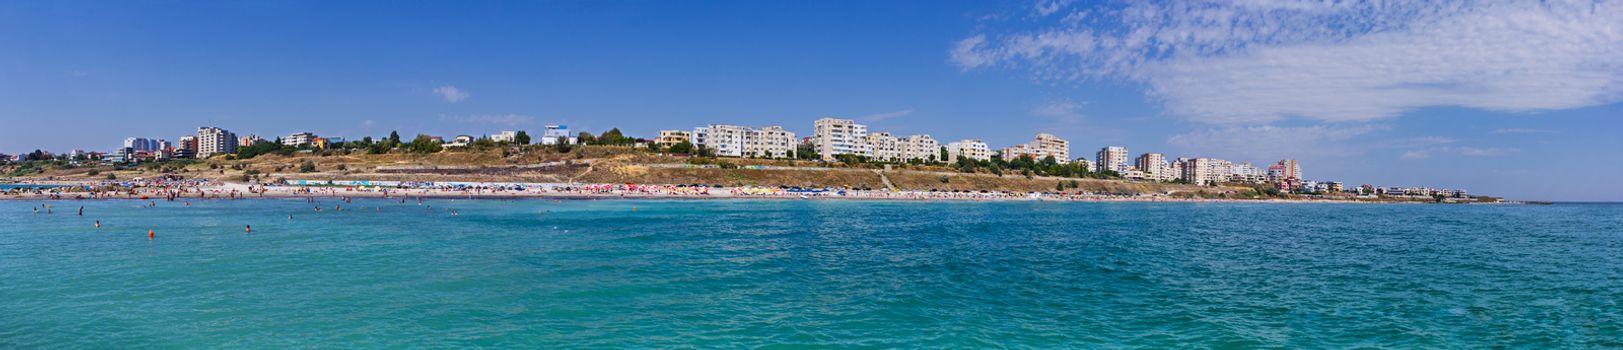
x=1064, y=110
x=1262, y=61
x=1521, y=131
x=493, y=119
x=1461, y=151
x=451, y=93
x=1258, y=143
x=885, y=116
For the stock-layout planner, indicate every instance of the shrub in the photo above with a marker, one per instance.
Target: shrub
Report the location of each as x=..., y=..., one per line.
x=307, y=167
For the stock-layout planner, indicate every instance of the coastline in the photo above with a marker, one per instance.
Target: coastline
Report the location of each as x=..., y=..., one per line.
x=237, y=191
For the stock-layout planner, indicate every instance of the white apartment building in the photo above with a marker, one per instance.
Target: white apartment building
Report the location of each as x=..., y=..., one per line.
x=213, y=140
x=885, y=147
x=920, y=147
x=770, y=142
x=725, y=140
x=968, y=148
x=505, y=136
x=1155, y=167
x=832, y=137
x=1199, y=171
x=298, y=139
x=1084, y=163
x=741, y=141
x=1113, y=158
x=1045, y=145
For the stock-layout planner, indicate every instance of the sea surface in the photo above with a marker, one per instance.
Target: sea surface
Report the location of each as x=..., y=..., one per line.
x=808, y=274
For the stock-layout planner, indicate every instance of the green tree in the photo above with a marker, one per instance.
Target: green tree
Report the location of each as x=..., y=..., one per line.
x=683, y=147
x=394, y=139
x=424, y=144
x=307, y=167
x=522, y=138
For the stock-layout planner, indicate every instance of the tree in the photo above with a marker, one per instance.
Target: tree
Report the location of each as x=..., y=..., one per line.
x=683, y=147
x=522, y=138
x=307, y=167
x=944, y=154
x=586, y=138
x=424, y=144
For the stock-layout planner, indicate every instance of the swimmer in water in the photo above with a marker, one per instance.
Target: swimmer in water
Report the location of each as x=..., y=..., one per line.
x=81, y=210
x=248, y=228
x=98, y=223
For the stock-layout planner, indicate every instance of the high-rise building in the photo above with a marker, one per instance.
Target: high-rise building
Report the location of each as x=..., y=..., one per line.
x=1113, y=158
x=1155, y=167
x=920, y=147
x=213, y=140
x=770, y=142
x=832, y=137
x=885, y=147
x=741, y=141
x=141, y=144
x=968, y=148
x=1289, y=169
x=1045, y=145
x=722, y=139
x=1200, y=171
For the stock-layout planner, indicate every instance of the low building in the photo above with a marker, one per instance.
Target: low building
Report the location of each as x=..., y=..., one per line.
x=668, y=138
x=460, y=141
x=553, y=134
x=298, y=139
x=505, y=136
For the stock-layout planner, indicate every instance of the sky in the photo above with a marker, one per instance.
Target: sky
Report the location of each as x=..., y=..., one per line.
x=1514, y=98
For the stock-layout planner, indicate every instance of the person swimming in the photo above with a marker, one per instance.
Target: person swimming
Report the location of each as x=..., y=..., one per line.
x=81, y=210
x=248, y=228
x=98, y=223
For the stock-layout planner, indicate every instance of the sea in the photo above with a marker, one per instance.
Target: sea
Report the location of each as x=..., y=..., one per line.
x=539, y=273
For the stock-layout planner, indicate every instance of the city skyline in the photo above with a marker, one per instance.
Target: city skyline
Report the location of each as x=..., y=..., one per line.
x=88, y=75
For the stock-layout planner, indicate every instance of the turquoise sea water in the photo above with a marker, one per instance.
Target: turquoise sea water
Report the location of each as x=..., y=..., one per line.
x=734, y=274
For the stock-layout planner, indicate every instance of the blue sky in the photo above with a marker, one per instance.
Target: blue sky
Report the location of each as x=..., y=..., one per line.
x=1512, y=98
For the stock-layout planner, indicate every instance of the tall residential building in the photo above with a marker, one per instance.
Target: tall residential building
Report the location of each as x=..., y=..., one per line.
x=832, y=137
x=668, y=138
x=554, y=133
x=725, y=140
x=967, y=148
x=741, y=141
x=187, y=142
x=213, y=140
x=885, y=147
x=770, y=142
x=1042, y=146
x=1199, y=171
x=141, y=144
x=1155, y=167
x=920, y=147
x=1113, y=158
x=298, y=139
x=1290, y=169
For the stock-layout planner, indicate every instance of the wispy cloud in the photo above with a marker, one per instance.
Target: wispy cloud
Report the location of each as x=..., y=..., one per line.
x=1263, y=61
x=1271, y=142
x=1521, y=131
x=886, y=115
x=492, y=119
x=1461, y=151
x=451, y=93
